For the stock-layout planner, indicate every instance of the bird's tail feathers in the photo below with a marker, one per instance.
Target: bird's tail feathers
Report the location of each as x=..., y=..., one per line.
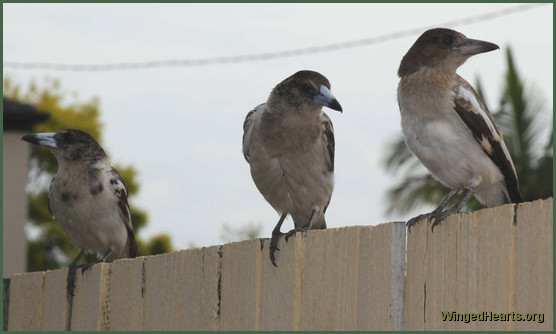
x=132, y=245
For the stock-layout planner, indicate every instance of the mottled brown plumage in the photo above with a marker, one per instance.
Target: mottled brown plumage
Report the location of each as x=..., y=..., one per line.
x=289, y=143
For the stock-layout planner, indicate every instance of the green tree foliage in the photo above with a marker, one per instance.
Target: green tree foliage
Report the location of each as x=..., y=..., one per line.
x=521, y=118
x=520, y=115
x=48, y=247
x=156, y=245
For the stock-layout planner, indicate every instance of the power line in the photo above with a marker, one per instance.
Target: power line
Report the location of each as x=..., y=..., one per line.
x=263, y=56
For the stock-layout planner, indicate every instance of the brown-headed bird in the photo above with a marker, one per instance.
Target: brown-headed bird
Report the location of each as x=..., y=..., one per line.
x=449, y=128
x=289, y=144
x=88, y=197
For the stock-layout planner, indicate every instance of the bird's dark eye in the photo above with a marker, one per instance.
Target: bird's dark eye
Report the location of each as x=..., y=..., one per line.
x=307, y=87
x=448, y=40
x=62, y=136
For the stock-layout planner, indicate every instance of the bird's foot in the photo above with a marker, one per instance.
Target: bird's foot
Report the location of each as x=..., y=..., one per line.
x=274, y=245
x=437, y=217
x=294, y=231
x=413, y=221
x=85, y=267
x=72, y=270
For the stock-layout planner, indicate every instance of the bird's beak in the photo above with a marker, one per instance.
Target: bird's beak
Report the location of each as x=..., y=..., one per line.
x=325, y=98
x=44, y=139
x=474, y=46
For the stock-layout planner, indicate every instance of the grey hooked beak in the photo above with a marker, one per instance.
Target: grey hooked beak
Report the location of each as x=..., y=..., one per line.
x=44, y=139
x=475, y=46
x=325, y=98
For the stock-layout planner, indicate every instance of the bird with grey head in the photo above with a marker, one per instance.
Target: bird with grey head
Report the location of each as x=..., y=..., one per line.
x=88, y=197
x=448, y=127
x=289, y=144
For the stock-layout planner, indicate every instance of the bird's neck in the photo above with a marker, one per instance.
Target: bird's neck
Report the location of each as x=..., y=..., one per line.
x=289, y=129
x=429, y=80
x=281, y=114
x=75, y=169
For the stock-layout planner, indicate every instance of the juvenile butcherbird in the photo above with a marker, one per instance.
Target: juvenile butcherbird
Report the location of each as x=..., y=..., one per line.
x=448, y=126
x=88, y=197
x=289, y=144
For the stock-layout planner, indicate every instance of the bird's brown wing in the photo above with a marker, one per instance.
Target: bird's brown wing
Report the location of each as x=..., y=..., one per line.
x=328, y=140
x=474, y=113
x=49, y=198
x=119, y=187
x=329, y=145
x=247, y=128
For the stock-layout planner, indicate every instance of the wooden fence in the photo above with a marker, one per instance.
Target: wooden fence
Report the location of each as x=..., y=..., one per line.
x=493, y=263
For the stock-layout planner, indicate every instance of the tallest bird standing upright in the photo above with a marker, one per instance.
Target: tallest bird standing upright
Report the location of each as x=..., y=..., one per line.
x=289, y=144
x=447, y=125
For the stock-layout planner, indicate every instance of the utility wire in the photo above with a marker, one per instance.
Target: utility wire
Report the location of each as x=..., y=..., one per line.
x=263, y=56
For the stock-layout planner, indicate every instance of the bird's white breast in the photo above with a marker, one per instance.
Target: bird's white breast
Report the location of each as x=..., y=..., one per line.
x=90, y=221
x=441, y=141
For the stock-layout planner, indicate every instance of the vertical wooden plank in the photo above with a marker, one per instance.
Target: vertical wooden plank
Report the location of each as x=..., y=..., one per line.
x=330, y=274
x=164, y=292
x=26, y=298
x=281, y=286
x=415, y=280
x=201, y=269
x=315, y=288
x=467, y=267
x=440, y=272
x=241, y=285
x=398, y=268
x=126, y=294
x=496, y=264
x=91, y=303
x=212, y=271
x=375, y=277
x=55, y=306
x=192, y=289
x=534, y=263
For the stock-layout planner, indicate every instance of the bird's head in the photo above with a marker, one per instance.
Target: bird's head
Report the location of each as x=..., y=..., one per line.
x=441, y=47
x=307, y=88
x=68, y=145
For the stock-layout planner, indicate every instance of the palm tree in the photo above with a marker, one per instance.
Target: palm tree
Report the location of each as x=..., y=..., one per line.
x=520, y=117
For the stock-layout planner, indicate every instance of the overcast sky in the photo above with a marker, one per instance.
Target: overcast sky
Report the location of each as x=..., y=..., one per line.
x=181, y=127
